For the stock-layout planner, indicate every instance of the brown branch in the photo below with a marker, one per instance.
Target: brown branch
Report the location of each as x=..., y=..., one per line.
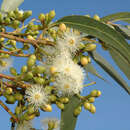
x=9, y=111
x=33, y=42
x=12, y=53
x=7, y=77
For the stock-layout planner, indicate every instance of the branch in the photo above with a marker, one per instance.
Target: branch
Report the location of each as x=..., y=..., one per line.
x=33, y=42
x=9, y=111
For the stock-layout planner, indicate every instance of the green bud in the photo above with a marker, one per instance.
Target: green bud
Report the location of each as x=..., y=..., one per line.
x=96, y=17
x=28, y=76
x=52, y=98
x=30, y=62
x=27, y=14
x=13, y=43
x=8, y=91
x=18, y=96
x=92, y=108
x=91, y=99
x=30, y=110
x=13, y=71
x=41, y=17
x=11, y=14
x=60, y=105
x=24, y=69
x=64, y=100
x=98, y=93
x=39, y=69
x=52, y=14
x=90, y=47
x=2, y=39
x=94, y=93
x=7, y=20
x=18, y=110
x=77, y=111
x=87, y=105
x=30, y=117
x=15, y=24
x=33, y=57
x=10, y=99
x=46, y=108
x=39, y=80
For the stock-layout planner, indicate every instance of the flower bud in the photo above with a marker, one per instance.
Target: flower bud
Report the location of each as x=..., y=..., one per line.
x=92, y=108
x=98, y=93
x=24, y=69
x=60, y=105
x=91, y=99
x=52, y=14
x=87, y=105
x=39, y=80
x=28, y=76
x=7, y=20
x=96, y=17
x=77, y=111
x=13, y=71
x=30, y=110
x=52, y=98
x=47, y=108
x=8, y=91
x=93, y=93
x=18, y=96
x=84, y=61
x=27, y=14
x=64, y=100
x=90, y=47
x=52, y=69
x=30, y=37
x=18, y=110
x=30, y=117
x=62, y=27
x=15, y=24
x=2, y=39
x=41, y=17
x=30, y=62
x=10, y=99
x=39, y=69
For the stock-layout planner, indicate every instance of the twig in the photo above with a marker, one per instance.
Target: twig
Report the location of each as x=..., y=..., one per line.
x=9, y=111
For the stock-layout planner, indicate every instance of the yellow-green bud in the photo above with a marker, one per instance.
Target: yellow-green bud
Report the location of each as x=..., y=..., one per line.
x=39, y=80
x=30, y=110
x=10, y=99
x=15, y=24
x=98, y=93
x=8, y=91
x=84, y=60
x=52, y=98
x=24, y=69
x=28, y=76
x=30, y=37
x=92, y=108
x=62, y=27
x=7, y=20
x=52, y=14
x=60, y=105
x=2, y=39
x=90, y=47
x=94, y=93
x=13, y=71
x=47, y=108
x=96, y=17
x=64, y=100
x=18, y=110
x=41, y=17
x=77, y=111
x=91, y=99
x=87, y=105
x=39, y=69
x=30, y=117
x=27, y=14
x=18, y=96
x=13, y=43
x=30, y=62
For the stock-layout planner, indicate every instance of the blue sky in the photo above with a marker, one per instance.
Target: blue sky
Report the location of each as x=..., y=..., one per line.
x=113, y=107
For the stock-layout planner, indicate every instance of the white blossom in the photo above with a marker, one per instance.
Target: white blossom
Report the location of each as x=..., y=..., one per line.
x=5, y=64
x=36, y=96
x=67, y=85
x=25, y=125
x=69, y=40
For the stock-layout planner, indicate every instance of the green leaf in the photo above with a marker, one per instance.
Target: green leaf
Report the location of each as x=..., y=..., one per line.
x=120, y=61
x=109, y=36
x=67, y=116
x=124, y=30
x=122, y=16
x=110, y=70
x=90, y=68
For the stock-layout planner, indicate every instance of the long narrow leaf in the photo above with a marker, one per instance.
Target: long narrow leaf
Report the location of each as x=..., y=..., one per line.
x=122, y=16
x=67, y=116
x=110, y=70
